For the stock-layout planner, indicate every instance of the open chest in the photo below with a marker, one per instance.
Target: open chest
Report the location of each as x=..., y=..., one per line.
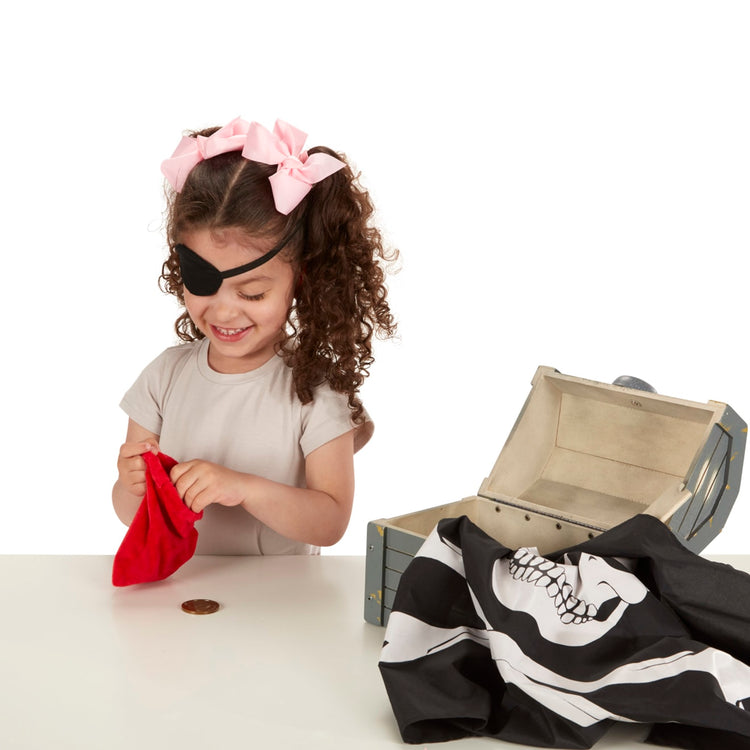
x=581, y=458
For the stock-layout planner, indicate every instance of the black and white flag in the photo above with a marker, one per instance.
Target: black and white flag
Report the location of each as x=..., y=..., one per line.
x=549, y=651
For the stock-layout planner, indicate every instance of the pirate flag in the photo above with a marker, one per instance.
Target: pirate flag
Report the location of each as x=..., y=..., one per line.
x=550, y=651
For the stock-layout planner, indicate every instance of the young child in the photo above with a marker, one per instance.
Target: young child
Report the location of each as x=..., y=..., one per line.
x=280, y=273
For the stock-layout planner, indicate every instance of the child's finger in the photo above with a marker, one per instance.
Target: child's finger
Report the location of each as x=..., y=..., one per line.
x=187, y=480
x=130, y=450
x=179, y=470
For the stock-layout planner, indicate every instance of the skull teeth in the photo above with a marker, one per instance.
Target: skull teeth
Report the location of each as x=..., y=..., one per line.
x=531, y=568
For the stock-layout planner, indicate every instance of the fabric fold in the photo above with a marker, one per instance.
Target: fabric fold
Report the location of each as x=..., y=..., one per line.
x=551, y=650
x=162, y=536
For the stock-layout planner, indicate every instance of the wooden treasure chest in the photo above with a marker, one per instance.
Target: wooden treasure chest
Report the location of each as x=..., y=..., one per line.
x=581, y=458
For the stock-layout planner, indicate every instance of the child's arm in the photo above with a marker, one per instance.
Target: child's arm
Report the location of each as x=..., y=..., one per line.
x=317, y=514
x=130, y=486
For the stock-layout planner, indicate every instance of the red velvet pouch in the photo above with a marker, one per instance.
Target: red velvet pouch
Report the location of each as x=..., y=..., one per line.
x=162, y=536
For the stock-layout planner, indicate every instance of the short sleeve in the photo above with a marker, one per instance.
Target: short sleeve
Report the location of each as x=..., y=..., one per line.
x=327, y=417
x=144, y=400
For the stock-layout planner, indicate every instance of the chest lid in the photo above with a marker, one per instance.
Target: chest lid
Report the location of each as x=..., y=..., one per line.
x=597, y=454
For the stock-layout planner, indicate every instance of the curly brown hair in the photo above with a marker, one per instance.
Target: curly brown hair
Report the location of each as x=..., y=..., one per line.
x=340, y=302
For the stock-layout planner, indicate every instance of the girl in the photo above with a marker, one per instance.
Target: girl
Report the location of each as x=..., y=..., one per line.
x=280, y=274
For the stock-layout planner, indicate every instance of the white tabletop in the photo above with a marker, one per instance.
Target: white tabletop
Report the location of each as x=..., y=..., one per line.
x=287, y=662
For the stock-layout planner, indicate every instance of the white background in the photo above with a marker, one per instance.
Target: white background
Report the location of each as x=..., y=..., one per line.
x=568, y=183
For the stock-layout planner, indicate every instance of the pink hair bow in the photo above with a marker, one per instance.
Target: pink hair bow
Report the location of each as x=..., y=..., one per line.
x=297, y=172
x=190, y=151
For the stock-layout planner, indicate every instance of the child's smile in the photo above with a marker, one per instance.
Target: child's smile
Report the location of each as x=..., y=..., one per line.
x=245, y=318
x=230, y=334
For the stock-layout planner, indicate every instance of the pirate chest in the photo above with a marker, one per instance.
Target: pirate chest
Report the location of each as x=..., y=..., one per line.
x=581, y=458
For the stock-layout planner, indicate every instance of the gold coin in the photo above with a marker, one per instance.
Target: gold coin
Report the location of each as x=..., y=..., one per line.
x=200, y=606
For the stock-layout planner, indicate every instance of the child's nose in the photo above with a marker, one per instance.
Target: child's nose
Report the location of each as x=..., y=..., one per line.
x=225, y=307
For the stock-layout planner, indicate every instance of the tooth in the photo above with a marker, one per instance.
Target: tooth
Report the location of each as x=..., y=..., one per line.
x=533, y=577
x=566, y=619
x=580, y=609
x=547, y=564
x=558, y=601
x=591, y=611
x=553, y=590
x=543, y=581
x=567, y=590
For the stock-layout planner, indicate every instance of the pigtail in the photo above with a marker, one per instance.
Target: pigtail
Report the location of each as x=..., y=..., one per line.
x=341, y=298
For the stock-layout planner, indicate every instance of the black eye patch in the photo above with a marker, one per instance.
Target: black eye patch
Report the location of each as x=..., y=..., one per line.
x=203, y=279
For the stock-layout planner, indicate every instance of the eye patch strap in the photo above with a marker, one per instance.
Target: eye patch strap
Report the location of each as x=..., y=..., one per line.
x=203, y=278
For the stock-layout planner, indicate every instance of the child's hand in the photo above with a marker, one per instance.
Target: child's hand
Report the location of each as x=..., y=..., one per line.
x=132, y=468
x=201, y=483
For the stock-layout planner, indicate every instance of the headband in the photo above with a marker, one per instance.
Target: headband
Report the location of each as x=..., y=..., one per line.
x=297, y=171
x=203, y=279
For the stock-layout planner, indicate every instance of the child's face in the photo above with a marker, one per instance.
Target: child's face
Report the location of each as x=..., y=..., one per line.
x=245, y=318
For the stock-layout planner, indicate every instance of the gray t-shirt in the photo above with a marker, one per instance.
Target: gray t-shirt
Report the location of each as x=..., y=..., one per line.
x=251, y=422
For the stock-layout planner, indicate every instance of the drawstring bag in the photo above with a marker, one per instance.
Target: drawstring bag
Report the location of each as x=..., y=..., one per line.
x=162, y=536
